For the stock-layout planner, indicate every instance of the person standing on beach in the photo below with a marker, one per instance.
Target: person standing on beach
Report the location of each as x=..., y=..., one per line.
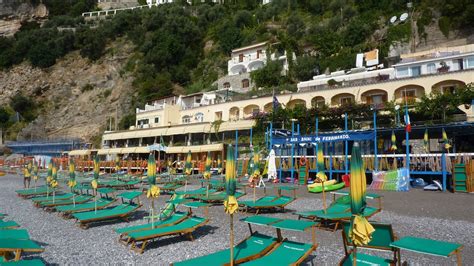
x=27, y=175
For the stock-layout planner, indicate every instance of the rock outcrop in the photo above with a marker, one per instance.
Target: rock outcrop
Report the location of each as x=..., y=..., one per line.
x=15, y=12
x=76, y=97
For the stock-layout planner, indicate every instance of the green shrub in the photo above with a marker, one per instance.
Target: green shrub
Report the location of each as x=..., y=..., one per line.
x=444, y=25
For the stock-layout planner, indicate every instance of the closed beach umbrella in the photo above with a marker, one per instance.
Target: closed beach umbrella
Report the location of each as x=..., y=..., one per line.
x=117, y=164
x=219, y=164
x=72, y=179
x=320, y=157
x=35, y=173
x=446, y=141
x=361, y=230
x=426, y=141
x=272, y=171
x=394, y=142
x=207, y=171
x=188, y=166
x=54, y=179
x=49, y=176
x=230, y=204
x=153, y=190
x=95, y=182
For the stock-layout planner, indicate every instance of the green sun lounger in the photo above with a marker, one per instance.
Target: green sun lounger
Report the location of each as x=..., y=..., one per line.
x=194, y=192
x=286, y=253
x=364, y=260
x=278, y=203
x=31, y=192
x=18, y=246
x=217, y=197
x=3, y=215
x=186, y=227
x=8, y=224
x=78, y=199
x=58, y=196
x=118, y=212
x=89, y=206
x=382, y=239
x=170, y=187
x=326, y=220
x=14, y=234
x=173, y=219
x=262, y=199
x=255, y=246
x=334, y=208
x=34, y=262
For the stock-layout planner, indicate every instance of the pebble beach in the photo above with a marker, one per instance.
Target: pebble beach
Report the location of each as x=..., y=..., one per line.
x=435, y=215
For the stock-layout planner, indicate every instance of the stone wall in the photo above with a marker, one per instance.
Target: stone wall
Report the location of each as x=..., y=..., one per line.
x=235, y=82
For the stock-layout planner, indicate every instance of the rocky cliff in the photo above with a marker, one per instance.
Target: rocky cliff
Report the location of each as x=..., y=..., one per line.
x=75, y=96
x=15, y=12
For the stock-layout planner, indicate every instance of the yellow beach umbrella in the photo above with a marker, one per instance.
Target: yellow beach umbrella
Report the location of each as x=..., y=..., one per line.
x=320, y=158
x=361, y=230
x=188, y=168
x=446, y=141
x=230, y=204
x=426, y=141
x=54, y=180
x=219, y=164
x=394, y=142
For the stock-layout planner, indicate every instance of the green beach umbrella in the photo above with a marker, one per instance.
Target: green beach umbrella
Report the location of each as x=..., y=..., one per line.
x=426, y=141
x=95, y=182
x=360, y=230
x=72, y=179
x=153, y=190
x=230, y=204
x=320, y=158
x=394, y=142
x=446, y=141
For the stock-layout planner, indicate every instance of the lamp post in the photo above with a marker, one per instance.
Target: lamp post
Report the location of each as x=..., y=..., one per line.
x=397, y=118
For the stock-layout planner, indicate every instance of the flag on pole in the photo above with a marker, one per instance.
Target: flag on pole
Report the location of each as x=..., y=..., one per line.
x=407, y=121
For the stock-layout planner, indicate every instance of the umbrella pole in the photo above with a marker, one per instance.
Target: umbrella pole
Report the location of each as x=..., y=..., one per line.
x=207, y=189
x=354, y=256
x=254, y=190
x=74, y=199
x=54, y=194
x=35, y=185
x=152, y=213
x=95, y=201
x=324, y=198
x=232, y=239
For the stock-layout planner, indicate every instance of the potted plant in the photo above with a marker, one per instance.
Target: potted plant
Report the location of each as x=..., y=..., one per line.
x=444, y=67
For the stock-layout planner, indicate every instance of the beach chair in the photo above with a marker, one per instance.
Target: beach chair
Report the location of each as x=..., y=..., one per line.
x=50, y=205
x=31, y=192
x=14, y=234
x=173, y=219
x=364, y=260
x=122, y=211
x=58, y=196
x=17, y=247
x=303, y=175
x=286, y=253
x=334, y=208
x=278, y=203
x=185, y=227
x=8, y=224
x=254, y=246
x=33, y=262
x=331, y=221
x=67, y=210
x=217, y=197
x=170, y=187
x=382, y=237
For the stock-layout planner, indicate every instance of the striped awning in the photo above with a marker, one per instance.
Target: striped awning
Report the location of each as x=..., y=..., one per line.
x=195, y=148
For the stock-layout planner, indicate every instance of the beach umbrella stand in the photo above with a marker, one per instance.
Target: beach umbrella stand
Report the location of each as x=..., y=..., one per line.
x=153, y=190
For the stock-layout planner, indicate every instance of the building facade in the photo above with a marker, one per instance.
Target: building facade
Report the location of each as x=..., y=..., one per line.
x=203, y=121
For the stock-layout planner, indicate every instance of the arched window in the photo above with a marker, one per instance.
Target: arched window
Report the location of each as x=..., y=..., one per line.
x=245, y=83
x=186, y=119
x=199, y=117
